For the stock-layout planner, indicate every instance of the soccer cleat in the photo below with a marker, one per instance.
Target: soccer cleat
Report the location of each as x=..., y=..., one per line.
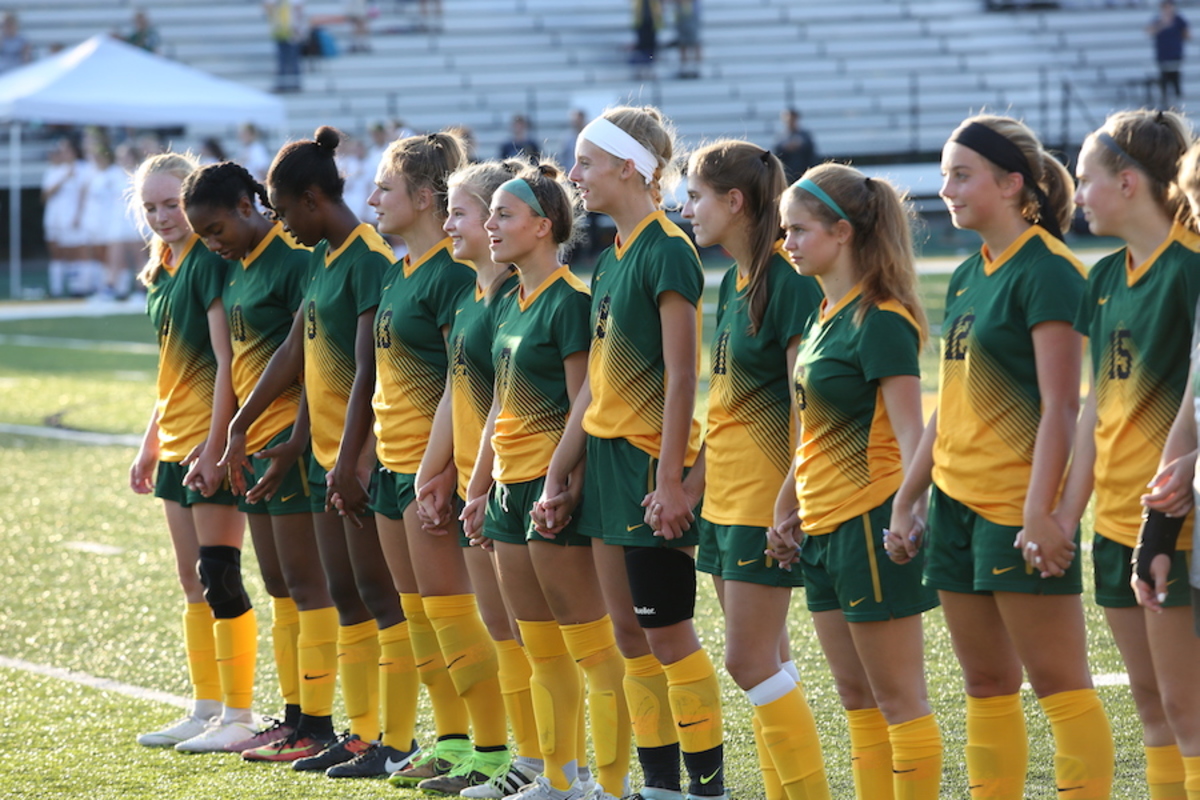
x=217, y=737
x=444, y=756
x=178, y=731
x=293, y=748
x=377, y=761
x=655, y=793
x=474, y=770
x=542, y=789
x=343, y=749
x=276, y=732
x=508, y=781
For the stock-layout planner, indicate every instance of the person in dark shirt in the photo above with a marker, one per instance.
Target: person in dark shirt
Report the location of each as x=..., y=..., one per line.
x=1170, y=31
x=520, y=146
x=796, y=149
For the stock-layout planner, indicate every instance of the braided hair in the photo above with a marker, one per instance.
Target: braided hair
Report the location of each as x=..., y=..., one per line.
x=221, y=185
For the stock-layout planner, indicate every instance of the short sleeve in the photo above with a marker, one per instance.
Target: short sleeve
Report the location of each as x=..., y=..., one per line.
x=570, y=324
x=208, y=276
x=792, y=300
x=449, y=291
x=674, y=267
x=366, y=280
x=888, y=345
x=1083, y=316
x=296, y=272
x=1051, y=291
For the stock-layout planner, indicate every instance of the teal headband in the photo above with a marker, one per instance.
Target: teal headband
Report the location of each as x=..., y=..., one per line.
x=520, y=189
x=819, y=193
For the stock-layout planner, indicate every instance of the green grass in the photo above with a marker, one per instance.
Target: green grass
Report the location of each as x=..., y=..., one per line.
x=117, y=616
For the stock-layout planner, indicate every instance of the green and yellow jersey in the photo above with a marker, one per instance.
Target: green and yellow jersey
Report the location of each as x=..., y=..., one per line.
x=343, y=284
x=419, y=299
x=750, y=432
x=260, y=299
x=177, y=302
x=848, y=461
x=534, y=335
x=472, y=376
x=626, y=369
x=1134, y=320
x=989, y=404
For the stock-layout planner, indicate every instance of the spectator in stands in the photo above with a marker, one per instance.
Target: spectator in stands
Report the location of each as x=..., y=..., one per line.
x=796, y=149
x=520, y=146
x=360, y=35
x=687, y=37
x=15, y=49
x=287, y=30
x=253, y=154
x=576, y=119
x=1170, y=31
x=144, y=35
x=647, y=16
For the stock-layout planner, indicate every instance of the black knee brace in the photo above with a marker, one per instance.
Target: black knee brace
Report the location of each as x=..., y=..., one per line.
x=1158, y=536
x=220, y=570
x=662, y=581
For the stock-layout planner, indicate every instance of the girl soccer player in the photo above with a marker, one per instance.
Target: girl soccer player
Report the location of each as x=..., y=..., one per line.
x=1138, y=301
x=454, y=655
x=764, y=303
x=331, y=340
x=640, y=437
x=998, y=447
x=858, y=389
x=260, y=300
x=539, y=353
x=195, y=401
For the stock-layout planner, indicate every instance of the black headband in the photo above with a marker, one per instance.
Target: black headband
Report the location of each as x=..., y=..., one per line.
x=1004, y=153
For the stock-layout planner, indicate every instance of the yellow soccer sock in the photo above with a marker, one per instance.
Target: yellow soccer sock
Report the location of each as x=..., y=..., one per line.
x=1191, y=766
x=1165, y=774
x=201, y=648
x=581, y=729
x=472, y=664
x=237, y=647
x=916, y=759
x=772, y=788
x=997, y=751
x=316, y=652
x=358, y=671
x=285, y=631
x=557, y=694
x=649, y=702
x=594, y=647
x=398, y=687
x=695, y=696
x=870, y=754
x=1083, y=744
x=789, y=732
x=449, y=711
x=515, y=673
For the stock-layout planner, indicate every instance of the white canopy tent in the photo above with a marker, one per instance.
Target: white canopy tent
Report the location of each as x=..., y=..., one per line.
x=104, y=81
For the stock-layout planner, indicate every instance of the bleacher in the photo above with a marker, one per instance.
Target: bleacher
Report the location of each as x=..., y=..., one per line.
x=879, y=78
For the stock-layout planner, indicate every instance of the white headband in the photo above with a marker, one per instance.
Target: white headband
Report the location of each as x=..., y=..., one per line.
x=610, y=138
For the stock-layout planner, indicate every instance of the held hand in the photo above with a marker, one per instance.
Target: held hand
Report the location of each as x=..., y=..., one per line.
x=1148, y=596
x=1171, y=489
x=905, y=533
x=234, y=460
x=472, y=519
x=205, y=476
x=347, y=494
x=1047, y=545
x=282, y=457
x=434, y=503
x=552, y=512
x=783, y=543
x=670, y=507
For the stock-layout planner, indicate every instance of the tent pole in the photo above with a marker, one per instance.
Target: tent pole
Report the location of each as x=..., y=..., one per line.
x=14, y=210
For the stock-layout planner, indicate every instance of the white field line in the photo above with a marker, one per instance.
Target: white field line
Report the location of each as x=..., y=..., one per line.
x=91, y=681
x=92, y=345
x=79, y=437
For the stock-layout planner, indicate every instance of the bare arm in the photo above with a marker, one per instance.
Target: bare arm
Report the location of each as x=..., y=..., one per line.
x=343, y=480
x=208, y=473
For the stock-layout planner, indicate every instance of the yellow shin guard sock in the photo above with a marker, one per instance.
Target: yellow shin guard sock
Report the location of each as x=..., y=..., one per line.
x=870, y=754
x=594, y=647
x=649, y=702
x=515, y=673
x=916, y=759
x=695, y=697
x=449, y=712
x=316, y=652
x=557, y=694
x=789, y=733
x=772, y=788
x=1191, y=766
x=1165, y=773
x=285, y=631
x=358, y=670
x=398, y=687
x=1083, y=744
x=997, y=750
x=472, y=664
x=201, y=648
x=237, y=647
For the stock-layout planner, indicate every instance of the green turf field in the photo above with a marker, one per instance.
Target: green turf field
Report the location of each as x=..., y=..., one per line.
x=115, y=614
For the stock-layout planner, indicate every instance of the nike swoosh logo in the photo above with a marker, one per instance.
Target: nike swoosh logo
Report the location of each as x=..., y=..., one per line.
x=1101, y=302
x=457, y=311
x=744, y=563
x=903, y=771
x=502, y=324
x=634, y=527
x=394, y=766
x=287, y=497
x=690, y=724
x=455, y=661
x=231, y=283
x=424, y=663
x=1070, y=788
x=853, y=603
x=384, y=289
x=959, y=293
x=1173, y=580
x=704, y=779
x=308, y=677
x=1001, y=570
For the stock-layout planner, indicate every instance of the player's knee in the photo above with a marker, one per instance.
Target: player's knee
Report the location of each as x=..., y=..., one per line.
x=662, y=581
x=220, y=569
